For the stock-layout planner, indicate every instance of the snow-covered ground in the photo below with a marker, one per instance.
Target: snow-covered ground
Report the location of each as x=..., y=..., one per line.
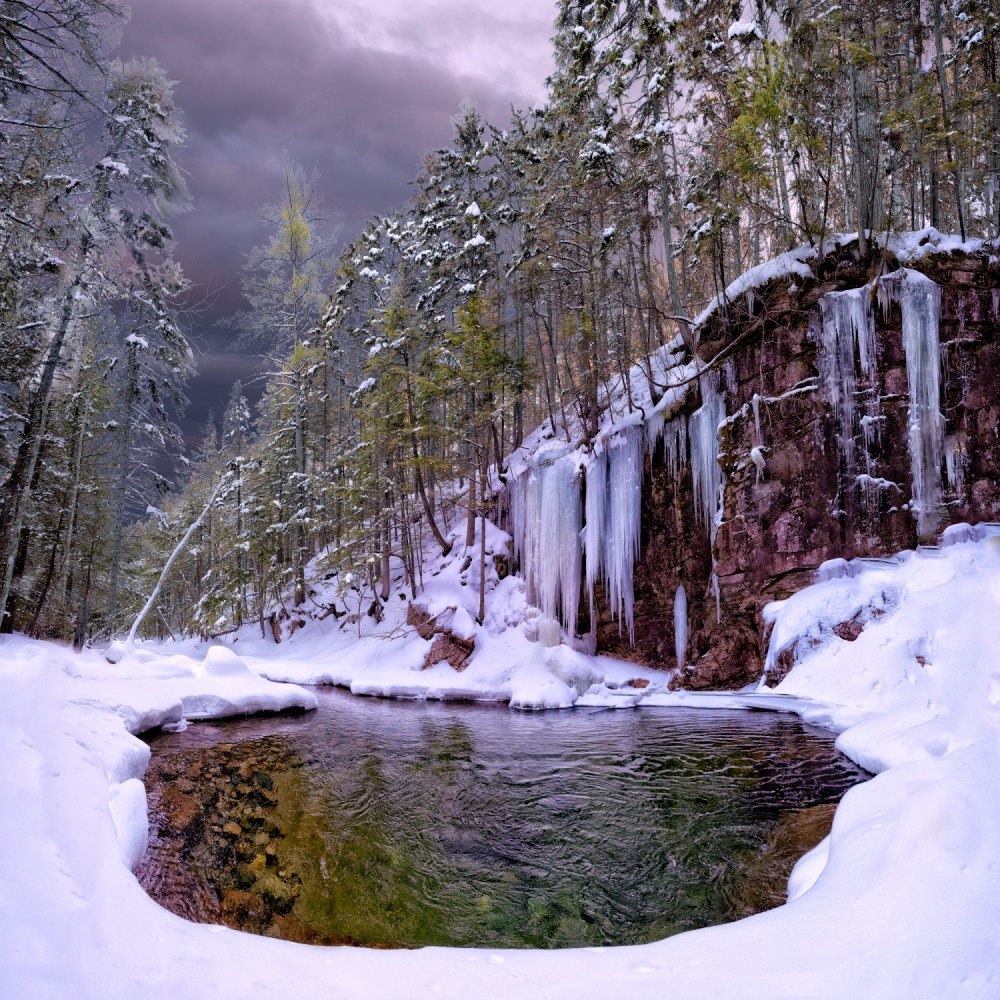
x=903, y=899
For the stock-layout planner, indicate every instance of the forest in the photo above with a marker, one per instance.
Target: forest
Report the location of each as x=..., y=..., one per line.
x=680, y=144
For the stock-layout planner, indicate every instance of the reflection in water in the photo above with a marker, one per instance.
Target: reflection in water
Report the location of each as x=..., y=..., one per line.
x=406, y=824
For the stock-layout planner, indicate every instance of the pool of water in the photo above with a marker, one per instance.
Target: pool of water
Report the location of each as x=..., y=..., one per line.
x=394, y=824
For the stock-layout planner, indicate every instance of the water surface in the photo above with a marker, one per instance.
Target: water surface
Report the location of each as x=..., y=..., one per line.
x=400, y=824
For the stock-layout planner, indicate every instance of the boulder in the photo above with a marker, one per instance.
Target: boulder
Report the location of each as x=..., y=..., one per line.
x=451, y=649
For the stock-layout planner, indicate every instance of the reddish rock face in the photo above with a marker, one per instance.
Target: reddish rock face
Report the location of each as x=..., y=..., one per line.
x=450, y=649
x=809, y=506
x=447, y=646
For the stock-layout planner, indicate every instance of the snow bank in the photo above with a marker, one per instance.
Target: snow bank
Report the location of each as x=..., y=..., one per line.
x=509, y=663
x=903, y=898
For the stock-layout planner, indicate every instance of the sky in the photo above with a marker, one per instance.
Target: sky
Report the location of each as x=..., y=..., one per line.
x=360, y=90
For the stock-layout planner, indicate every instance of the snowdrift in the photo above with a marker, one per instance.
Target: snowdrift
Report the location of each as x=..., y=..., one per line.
x=903, y=898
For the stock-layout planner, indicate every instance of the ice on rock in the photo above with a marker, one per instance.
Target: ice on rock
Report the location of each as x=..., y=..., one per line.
x=623, y=521
x=954, y=460
x=706, y=473
x=920, y=300
x=843, y=313
x=680, y=626
x=675, y=435
x=546, y=518
x=596, y=508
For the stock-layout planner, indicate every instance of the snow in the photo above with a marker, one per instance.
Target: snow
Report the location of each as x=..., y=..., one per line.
x=114, y=166
x=745, y=30
x=903, y=898
x=792, y=264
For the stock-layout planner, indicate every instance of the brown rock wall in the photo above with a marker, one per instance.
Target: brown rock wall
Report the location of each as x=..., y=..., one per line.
x=809, y=506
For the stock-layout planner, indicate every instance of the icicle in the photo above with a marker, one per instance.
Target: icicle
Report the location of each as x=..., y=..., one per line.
x=756, y=417
x=675, y=446
x=996, y=303
x=718, y=595
x=757, y=457
x=624, y=512
x=703, y=431
x=597, y=496
x=872, y=424
x=954, y=460
x=921, y=307
x=872, y=489
x=887, y=293
x=850, y=312
x=960, y=314
x=729, y=375
x=836, y=368
x=654, y=432
x=545, y=517
x=519, y=520
x=680, y=626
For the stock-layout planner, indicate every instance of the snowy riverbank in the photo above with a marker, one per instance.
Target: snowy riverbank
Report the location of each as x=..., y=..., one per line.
x=903, y=899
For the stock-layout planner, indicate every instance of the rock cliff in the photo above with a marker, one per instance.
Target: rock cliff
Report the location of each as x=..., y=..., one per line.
x=820, y=450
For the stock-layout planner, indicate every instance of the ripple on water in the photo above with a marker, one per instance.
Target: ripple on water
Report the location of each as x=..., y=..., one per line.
x=409, y=824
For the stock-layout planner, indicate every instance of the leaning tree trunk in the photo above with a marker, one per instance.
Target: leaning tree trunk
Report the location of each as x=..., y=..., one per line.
x=147, y=607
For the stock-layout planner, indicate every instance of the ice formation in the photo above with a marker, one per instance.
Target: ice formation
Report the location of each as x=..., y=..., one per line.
x=954, y=460
x=920, y=299
x=675, y=436
x=597, y=499
x=623, y=521
x=703, y=431
x=847, y=332
x=680, y=626
x=546, y=516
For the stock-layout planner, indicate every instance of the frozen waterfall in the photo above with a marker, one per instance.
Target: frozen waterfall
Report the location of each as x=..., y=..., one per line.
x=614, y=509
x=703, y=433
x=680, y=626
x=546, y=520
x=847, y=333
x=920, y=300
x=848, y=320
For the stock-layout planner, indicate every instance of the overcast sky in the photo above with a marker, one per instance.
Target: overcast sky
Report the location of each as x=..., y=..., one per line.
x=358, y=89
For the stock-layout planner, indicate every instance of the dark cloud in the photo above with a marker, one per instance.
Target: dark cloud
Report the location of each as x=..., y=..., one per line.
x=259, y=80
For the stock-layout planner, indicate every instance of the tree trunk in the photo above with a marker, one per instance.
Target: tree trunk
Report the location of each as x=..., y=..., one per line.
x=470, y=523
x=131, y=393
x=482, y=551
x=386, y=581
x=147, y=607
x=22, y=475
